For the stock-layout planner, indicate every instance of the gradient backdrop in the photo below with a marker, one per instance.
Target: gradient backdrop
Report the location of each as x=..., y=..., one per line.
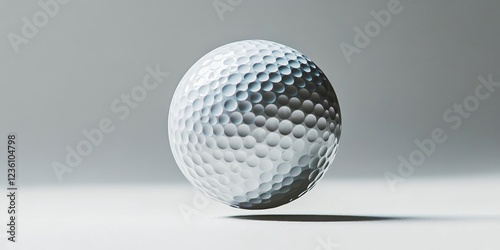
x=395, y=90
x=67, y=65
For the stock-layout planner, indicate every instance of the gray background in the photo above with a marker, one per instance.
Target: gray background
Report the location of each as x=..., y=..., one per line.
x=395, y=91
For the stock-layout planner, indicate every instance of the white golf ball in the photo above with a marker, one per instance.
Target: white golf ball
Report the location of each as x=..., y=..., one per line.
x=254, y=124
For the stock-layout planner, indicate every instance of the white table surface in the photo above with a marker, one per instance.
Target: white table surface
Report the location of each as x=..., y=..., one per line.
x=459, y=213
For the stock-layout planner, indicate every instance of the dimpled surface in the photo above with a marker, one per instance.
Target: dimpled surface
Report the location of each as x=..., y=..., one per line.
x=254, y=124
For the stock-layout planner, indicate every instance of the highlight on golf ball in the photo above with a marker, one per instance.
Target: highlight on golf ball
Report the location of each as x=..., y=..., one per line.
x=254, y=124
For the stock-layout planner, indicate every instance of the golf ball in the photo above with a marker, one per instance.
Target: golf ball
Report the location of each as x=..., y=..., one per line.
x=254, y=124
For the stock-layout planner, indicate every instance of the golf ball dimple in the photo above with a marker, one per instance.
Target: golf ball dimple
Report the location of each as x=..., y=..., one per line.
x=254, y=124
